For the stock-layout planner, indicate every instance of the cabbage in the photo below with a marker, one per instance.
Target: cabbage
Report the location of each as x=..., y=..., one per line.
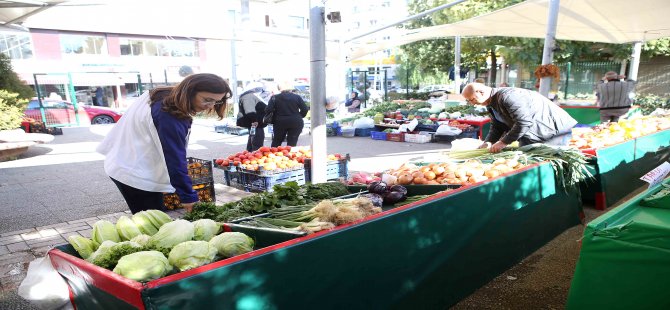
x=143, y=266
x=84, y=246
x=171, y=234
x=205, y=229
x=126, y=228
x=229, y=244
x=109, y=253
x=190, y=254
x=141, y=219
x=141, y=239
x=103, y=231
x=158, y=218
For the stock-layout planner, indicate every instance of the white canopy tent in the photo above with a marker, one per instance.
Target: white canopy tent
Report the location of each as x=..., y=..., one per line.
x=607, y=21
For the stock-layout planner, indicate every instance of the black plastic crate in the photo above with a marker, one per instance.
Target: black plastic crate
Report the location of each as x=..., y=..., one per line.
x=233, y=130
x=205, y=192
x=335, y=169
x=200, y=170
x=449, y=139
x=363, y=132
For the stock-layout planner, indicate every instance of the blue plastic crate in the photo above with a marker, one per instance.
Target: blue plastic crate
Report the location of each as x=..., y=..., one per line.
x=363, y=132
x=335, y=169
x=378, y=135
x=253, y=182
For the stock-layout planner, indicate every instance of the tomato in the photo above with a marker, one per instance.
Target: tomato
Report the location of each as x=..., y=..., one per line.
x=219, y=161
x=285, y=152
x=236, y=163
x=258, y=155
x=288, y=147
x=273, y=149
x=246, y=161
x=225, y=164
x=238, y=154
x=264, y=149
x=338, y=155
x=231, y=157
x=243, y=157
x=266, y=153
x=245, y=152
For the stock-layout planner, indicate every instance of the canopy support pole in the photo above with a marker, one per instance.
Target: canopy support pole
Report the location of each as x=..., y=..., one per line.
x=457, y=65
x=317, y=51
x=549, y=42
x=635, y=61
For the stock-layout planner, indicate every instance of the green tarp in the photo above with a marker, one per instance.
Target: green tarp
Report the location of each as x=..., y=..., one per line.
x=624, y=262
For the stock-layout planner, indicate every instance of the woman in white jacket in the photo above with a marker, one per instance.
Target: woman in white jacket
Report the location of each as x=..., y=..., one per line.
x=146, y=150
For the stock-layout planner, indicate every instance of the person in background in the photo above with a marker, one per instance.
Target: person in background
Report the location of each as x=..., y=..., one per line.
x=479, y=80
x=146, y=150
x=353, y=104
x=614, y=96
x=289, y=110
x=520, y=115
x=98, y=96
x=252, y=111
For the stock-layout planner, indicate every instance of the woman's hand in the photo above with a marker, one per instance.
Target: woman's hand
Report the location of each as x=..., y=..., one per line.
x=188, y=206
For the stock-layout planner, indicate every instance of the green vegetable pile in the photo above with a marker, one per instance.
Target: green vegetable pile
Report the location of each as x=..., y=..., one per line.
x=283, y=195
x=150, y=245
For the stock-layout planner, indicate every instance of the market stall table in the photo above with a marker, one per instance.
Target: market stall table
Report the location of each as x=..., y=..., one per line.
x=484, y=126
x=429, y=254
x=623, y=263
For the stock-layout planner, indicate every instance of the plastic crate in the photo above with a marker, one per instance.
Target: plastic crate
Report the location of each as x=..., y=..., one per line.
x=378, y=135
x=348, y=132
x=395, y=137
x=335, y=169
x=205, y=193
x=363, y=132
x=200, y=170
x=417, y=138
x=260, y=181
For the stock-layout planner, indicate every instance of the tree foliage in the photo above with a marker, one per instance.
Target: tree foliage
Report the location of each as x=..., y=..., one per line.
x=10, y=81
x=11, y=110
x=432, y=56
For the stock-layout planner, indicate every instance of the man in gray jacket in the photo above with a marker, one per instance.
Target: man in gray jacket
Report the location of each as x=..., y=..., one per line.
x=520, y=115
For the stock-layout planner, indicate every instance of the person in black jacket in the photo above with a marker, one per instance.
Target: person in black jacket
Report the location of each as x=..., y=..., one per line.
x=289, y=110
x=520, y=115
x=252, y=110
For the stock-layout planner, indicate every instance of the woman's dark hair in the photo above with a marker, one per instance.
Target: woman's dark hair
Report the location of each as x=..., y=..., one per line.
x=178, y=100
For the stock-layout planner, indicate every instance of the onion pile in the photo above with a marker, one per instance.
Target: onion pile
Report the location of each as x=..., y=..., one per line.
x=469, y=172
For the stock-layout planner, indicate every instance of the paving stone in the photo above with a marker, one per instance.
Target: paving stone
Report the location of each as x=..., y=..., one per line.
x=12, y=282
x=16, y=247
x=68, y=234
x=3, y=250
x=41, y=251
x=73, y=227
x=83, y=220
x=52, y=226
x=18, y=232
x=86, y=233
x=10, y=239
x=13, y=269
x=23, y=256
x=56, y=238
x=48, y=232
x=31, y=235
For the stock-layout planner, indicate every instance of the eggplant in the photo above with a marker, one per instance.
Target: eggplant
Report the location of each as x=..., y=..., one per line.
x=377, y=187
x=376, y=199
x=393, y=197
x=398, y=188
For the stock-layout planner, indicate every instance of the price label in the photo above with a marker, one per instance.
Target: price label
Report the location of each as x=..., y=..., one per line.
x=657, y=175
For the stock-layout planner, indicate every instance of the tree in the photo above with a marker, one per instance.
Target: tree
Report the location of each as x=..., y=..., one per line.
x=10, y=81
x=11, y=110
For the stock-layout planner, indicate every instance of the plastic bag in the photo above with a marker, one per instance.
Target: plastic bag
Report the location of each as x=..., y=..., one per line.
x=364, y=123
x=445, y=130
x=44, y=287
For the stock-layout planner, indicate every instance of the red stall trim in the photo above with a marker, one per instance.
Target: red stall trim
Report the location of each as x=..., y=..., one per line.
x=121, y=287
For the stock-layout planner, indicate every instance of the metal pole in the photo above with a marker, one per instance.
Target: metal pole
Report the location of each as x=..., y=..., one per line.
x=567, y=81
x=317, y=44
x=39, y=99
x=233, y=64
x=407, y=86
x=151, y=81
x=386, y=93
x=549, y=41
x=441, y=7
x=165, y=74
x=74, y=99
x=635, y=61
x=457, y=65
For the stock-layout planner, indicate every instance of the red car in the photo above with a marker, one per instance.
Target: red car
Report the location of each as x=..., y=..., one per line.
x=59, y=112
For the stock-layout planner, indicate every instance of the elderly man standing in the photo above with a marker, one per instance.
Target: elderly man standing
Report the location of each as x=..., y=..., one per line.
x=520, y=115
x=614, y=96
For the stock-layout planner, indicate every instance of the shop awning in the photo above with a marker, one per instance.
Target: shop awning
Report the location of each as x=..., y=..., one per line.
x=607, y=21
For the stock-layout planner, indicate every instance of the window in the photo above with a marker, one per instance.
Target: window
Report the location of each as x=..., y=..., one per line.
x=166, y=48
x=15, y=45
x=296, y=22
x=83, y=44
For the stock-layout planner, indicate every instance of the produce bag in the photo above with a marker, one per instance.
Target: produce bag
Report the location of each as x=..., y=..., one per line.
x=44, y=287
x=409, y=126
x=364, y=123
x=446, y=130
x=465, y=144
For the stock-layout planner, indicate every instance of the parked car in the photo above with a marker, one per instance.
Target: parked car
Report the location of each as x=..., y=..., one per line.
x=433, y=88
x=62, y=112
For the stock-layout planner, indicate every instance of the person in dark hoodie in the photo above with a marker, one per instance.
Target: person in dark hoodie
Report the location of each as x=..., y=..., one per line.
x=145, y=152
x=252, y=111
x=289, y=110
